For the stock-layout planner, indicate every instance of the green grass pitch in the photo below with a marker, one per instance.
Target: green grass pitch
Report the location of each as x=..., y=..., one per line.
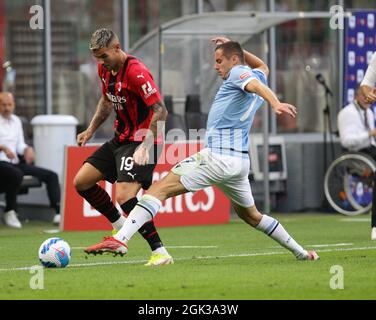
x=220, y=262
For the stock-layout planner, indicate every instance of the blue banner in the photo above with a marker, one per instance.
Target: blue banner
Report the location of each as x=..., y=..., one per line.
x=360, y=44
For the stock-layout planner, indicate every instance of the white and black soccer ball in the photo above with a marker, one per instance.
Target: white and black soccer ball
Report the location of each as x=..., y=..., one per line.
x=54, y=253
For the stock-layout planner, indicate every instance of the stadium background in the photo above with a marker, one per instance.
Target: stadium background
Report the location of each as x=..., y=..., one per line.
x=221, y=253
x=297, y=44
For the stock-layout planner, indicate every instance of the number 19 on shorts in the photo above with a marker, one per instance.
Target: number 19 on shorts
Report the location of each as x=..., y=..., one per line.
x=126, y=164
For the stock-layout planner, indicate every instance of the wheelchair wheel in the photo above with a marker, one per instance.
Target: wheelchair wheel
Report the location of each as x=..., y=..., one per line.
x=348, y=183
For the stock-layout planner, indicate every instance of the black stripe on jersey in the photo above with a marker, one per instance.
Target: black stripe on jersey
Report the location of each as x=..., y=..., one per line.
x=143, y=110
x=120, y=124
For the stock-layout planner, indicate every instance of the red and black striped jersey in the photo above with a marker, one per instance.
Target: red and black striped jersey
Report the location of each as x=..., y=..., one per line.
x=132, y=92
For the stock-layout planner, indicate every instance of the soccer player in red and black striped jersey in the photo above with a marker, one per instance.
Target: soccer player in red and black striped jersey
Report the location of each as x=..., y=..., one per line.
x=128, y=88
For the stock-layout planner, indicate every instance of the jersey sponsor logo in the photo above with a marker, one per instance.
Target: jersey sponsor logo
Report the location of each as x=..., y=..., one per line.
x=245, y=75
x=148, y=90
x=116, y=99
x=117, y=107
x=140, y=76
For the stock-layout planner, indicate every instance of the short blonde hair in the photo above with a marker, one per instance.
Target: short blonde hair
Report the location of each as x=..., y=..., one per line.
x=102, y=38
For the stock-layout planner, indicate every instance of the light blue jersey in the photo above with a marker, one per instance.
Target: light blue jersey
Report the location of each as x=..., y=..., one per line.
x=231, y=115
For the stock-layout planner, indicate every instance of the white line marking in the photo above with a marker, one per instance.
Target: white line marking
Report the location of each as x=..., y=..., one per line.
x=323, y=245
x=51, y=231
x=347, y=249
x=330, y=245
x=192, y=247
x=355, y=220
x=169, y=247
x=104, y=263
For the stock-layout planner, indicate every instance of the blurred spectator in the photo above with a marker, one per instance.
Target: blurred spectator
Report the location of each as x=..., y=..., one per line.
x=10, y=183
x=368, y=84
x=16, y=159
x=356, y=125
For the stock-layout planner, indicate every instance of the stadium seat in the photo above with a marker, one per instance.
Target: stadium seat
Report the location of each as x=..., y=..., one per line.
x=169, y=103
x=28, y=130
x=196, y=120
x=29, y=182
x=192, y=103
x=175, y=121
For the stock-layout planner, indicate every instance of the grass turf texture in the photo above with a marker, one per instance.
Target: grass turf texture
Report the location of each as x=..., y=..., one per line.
x=244, y=264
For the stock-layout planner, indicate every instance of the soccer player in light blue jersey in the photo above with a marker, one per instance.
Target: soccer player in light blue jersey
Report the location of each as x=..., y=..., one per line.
x=224, y=162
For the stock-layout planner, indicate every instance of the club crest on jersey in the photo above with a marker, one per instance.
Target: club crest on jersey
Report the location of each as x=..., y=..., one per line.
x=245, y=75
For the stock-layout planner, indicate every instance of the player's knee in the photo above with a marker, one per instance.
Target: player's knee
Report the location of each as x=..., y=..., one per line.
x=80, y=184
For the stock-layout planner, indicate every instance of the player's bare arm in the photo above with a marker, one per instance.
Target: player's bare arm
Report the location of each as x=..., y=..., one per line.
x=141, y=156
x=250, y=59
x=104, y=109
x=255, y=62
x=255, y=86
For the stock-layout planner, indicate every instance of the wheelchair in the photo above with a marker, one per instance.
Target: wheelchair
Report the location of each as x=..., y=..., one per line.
x=348, y=183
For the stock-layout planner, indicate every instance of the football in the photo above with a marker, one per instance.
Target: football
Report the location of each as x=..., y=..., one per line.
x=54, y=253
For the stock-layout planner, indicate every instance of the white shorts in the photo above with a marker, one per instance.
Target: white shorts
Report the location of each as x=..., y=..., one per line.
x=228, y=173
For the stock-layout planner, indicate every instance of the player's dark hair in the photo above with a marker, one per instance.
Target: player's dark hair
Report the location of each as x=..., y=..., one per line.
x=102, y=38
x=231, y=48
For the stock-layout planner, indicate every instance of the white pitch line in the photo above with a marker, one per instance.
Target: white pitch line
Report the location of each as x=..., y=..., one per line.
x=323, y=245
x=192, y=247
x=355, y=220
x=104, y=263
x=346, y=249
x=169, y=247
x=330, y=245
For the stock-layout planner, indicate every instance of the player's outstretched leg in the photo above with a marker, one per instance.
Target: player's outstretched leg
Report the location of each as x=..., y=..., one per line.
x=275, y=230
x=144, y=211
x=160, y=255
